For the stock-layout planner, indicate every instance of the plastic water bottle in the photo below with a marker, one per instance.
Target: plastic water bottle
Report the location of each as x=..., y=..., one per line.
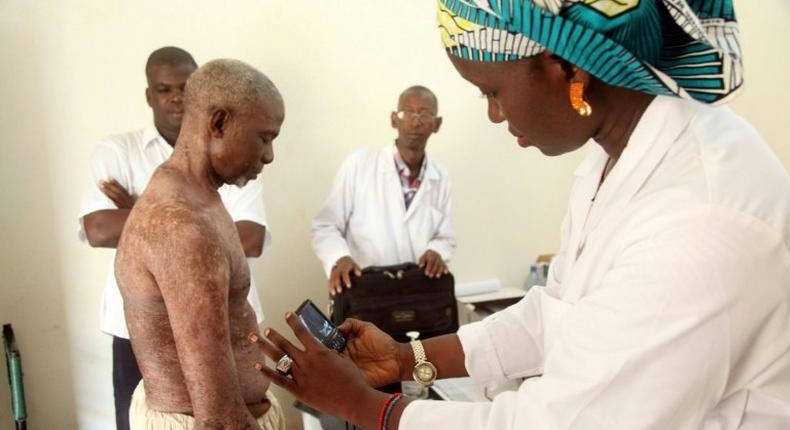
x=413, y=388
x=533, y=278
x=544, y=273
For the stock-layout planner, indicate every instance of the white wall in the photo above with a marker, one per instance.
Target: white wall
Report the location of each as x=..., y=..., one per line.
x=73, y=72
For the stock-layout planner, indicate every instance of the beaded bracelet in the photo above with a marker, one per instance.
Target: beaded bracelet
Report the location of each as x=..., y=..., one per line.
x=386, y=409
x=390, y=407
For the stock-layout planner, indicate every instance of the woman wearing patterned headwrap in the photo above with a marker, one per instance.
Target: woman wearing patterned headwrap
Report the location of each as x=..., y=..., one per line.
x=668, y=305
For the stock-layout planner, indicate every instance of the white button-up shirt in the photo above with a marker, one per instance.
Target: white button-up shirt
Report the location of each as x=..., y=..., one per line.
x=668, y=306
x=365, y=215
x=131, y=159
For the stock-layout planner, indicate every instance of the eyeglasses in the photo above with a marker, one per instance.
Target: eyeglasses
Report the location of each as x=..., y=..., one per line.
x=423, y=116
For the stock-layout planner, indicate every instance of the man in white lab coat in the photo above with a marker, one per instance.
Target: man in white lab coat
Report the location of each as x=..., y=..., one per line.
x=390, y=205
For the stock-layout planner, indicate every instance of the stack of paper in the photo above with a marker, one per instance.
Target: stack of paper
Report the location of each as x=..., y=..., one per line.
x=459, y=389
x=477, y=287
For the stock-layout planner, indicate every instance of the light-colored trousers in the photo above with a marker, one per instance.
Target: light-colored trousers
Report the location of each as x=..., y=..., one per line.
x=143, y=418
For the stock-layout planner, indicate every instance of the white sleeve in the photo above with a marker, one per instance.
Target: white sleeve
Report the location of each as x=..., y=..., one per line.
x=650, y=348
x=107, y=162
x=443, y=241
x=246, y=204
x=330, y=224
x=492, y=358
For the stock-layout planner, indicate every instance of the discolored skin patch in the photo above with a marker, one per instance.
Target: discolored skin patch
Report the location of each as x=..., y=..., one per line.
x=184, y=280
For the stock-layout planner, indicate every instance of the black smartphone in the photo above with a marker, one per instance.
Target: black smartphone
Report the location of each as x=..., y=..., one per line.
x=320, y=326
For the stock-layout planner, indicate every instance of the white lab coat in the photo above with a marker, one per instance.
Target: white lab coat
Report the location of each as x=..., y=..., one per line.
x=668, y=306
x=365, y=216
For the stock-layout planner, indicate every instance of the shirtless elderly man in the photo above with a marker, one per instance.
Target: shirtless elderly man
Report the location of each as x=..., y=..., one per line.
x=181, y=267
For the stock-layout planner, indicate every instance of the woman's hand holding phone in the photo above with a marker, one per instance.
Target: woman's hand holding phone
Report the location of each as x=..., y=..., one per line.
x=319, y=376
x=381, y=359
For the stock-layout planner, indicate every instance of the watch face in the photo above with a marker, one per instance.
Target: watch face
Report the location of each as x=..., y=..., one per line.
x=425, y=372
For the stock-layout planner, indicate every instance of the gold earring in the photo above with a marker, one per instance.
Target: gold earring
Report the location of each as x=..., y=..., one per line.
x=577, y=99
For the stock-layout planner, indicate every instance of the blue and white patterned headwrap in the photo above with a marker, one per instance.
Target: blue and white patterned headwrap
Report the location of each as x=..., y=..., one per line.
x=683, y=48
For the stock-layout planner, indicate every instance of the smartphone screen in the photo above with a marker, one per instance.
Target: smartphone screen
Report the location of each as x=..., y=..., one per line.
x=320, y=326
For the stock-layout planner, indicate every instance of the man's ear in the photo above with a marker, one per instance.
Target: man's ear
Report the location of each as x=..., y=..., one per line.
x=218, y=123
x=437, y=123
x=394, y=120
x=148, y=96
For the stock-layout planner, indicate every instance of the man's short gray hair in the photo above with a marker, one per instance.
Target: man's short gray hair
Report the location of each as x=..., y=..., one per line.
x=228, y=84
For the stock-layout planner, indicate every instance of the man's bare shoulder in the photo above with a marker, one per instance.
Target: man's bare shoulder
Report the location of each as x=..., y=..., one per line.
x=171, y=213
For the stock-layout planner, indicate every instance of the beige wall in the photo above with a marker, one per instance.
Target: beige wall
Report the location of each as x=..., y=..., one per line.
x=73, y=72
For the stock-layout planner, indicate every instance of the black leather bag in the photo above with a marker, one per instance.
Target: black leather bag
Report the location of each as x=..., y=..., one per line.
x=399, y=299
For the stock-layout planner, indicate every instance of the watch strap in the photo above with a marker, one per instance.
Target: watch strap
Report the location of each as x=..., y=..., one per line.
x=419, y=351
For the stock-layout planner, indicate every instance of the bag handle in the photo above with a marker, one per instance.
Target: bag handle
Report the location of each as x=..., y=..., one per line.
x=395, y=271
x=398, y=274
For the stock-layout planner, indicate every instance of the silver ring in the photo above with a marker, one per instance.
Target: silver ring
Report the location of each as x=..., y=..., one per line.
x=284, y=364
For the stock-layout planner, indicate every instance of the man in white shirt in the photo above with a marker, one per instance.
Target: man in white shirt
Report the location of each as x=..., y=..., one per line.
x=121, y=167
x=389, y=206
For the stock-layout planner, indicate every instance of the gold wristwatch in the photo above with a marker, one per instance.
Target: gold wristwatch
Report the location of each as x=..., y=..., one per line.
x=424, y=371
